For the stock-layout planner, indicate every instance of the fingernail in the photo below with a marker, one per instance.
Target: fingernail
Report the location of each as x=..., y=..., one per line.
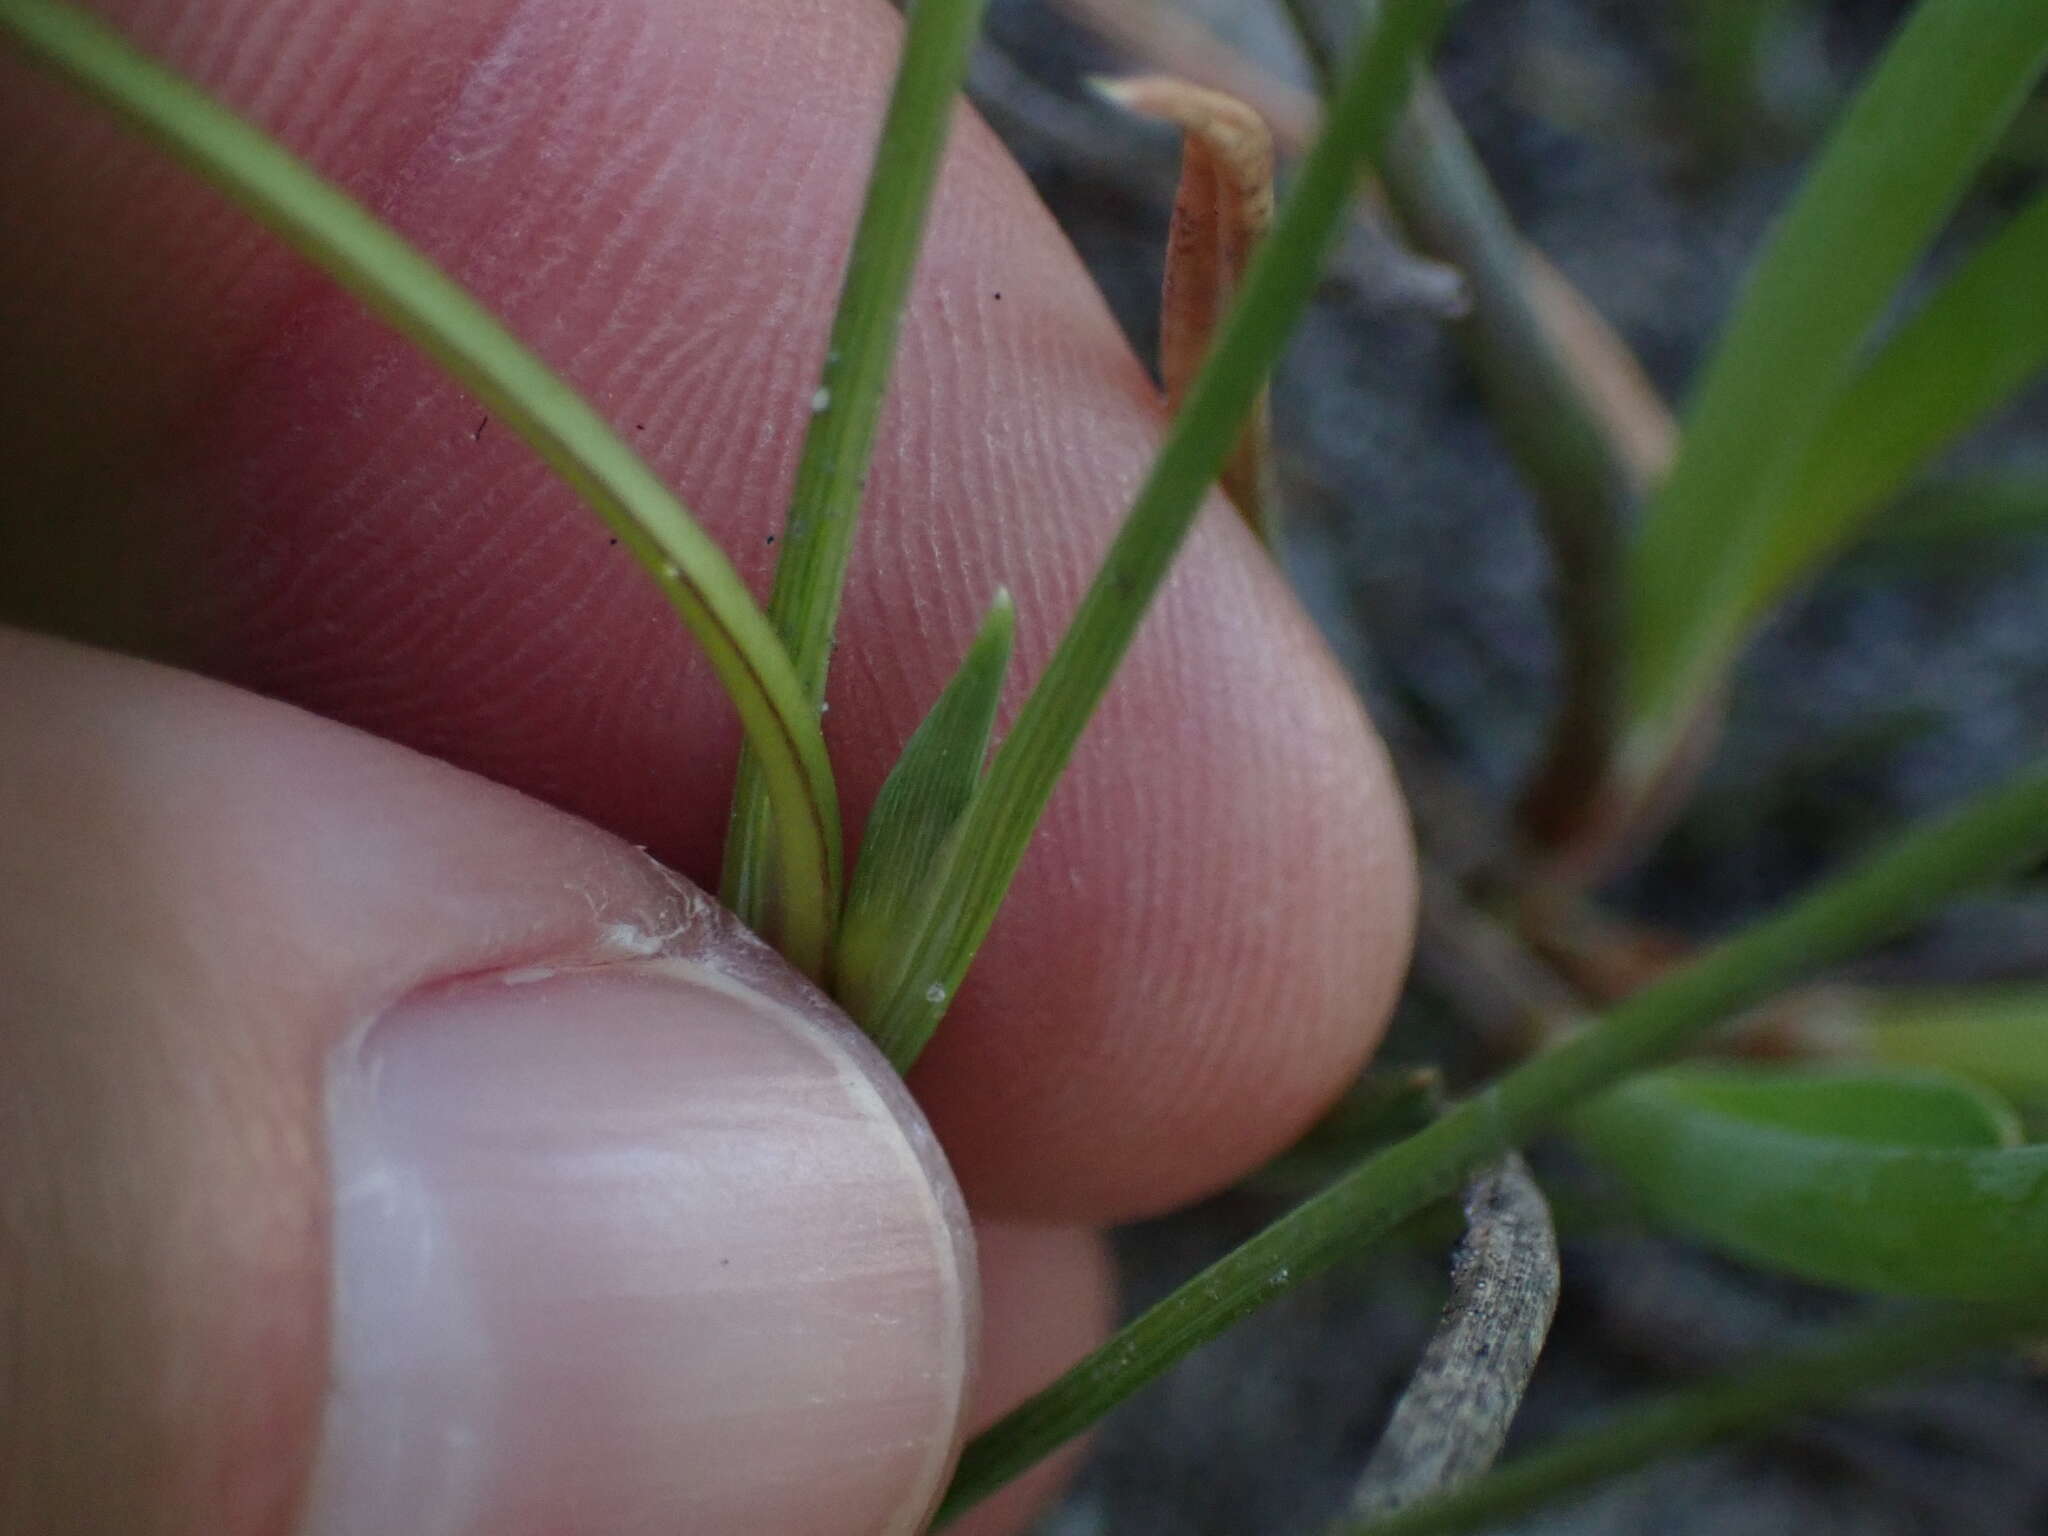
x=634, y=1249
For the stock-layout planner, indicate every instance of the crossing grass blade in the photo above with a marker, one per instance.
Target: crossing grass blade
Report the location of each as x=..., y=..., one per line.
x=1277, y=289
x=399, y=284
x=1997, y=834
x=832, y=472
x=1894, y=167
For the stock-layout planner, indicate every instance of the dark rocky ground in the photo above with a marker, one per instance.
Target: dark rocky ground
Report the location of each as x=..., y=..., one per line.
x=1901, y=680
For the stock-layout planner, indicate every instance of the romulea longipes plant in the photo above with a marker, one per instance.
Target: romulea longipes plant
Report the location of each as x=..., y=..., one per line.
x=1903, y=1170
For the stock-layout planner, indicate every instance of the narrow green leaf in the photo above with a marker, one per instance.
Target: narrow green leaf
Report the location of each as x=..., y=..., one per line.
x=1996, y=1034
x=402, y=286
x=920, y=804
x=1997, y=834
x=1993, y=504
x=1885, y=1107
x=1277, y=289
x=1884, y=1181
x=832, y=473
x=1895, y=166
x=1871, y=1352
x=1969, y=349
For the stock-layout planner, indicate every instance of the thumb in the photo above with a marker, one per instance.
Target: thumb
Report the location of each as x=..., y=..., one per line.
x=632, y=1249
x=382, y=1151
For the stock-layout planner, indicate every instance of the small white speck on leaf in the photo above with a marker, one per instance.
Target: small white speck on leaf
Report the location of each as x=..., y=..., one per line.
x=822, y=400
x=935, y=994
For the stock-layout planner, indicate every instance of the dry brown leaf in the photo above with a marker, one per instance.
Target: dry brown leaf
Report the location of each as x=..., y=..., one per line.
x=1618, y=391
x=1634, y=417
x=1220, y=214
x=1174, y=43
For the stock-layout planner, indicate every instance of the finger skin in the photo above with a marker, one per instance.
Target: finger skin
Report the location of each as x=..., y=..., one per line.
x=206, y=894
x=1047, y=1299
x=1206, y=935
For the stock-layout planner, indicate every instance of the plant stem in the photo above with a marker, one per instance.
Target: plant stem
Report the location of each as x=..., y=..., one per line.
x=1570, y=403
x=992, y=837
x=399, y=284
x=1996, y=833
x=1583, y=482
x=832, y=473
x=1866, y=1354
x=1312, y=35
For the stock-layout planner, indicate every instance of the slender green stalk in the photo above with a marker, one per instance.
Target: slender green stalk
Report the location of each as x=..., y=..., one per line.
x=1282, y=279
x=1377, y=1110
x=832, y=474
x=450, y=326
x=1312, y=34
x=1872, y=1352
x=1583, y=485
x=1893, y=169
x=1995, y=834
x=1579, y=471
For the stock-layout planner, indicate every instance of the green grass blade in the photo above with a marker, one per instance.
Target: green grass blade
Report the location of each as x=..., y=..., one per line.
x=402, y=286
x=1875, y=1106
x=1873, y=1178
x=832, y=473
x=1893, y=169
x=1996, y=834
x=1892, y=1343
x=1968, y=350
x=1994, y=504
x=1997, y=1034
x=920, y=804
x=1277, y=289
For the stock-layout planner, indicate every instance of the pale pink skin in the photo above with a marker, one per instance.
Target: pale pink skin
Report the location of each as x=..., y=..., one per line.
x=288, y=917
x=1200, y=949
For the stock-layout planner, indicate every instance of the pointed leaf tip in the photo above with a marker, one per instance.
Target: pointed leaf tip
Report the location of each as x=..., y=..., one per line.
x=909, y=833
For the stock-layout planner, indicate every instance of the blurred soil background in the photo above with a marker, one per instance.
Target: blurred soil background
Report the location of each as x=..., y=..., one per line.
x=1913, y=672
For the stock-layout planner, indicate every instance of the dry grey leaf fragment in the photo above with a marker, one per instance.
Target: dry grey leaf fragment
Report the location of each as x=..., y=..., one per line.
x=1220, y=214
x=1453, y=1418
